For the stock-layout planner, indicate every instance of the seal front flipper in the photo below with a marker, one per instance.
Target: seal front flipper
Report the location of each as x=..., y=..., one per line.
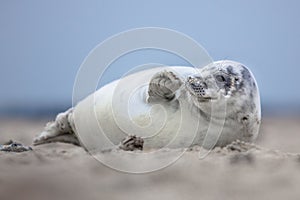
x=163, y=86
x=61, y=130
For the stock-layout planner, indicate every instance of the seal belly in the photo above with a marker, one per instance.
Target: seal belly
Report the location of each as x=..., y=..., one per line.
x=105, y=119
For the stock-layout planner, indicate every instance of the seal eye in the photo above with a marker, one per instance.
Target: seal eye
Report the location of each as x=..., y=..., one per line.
x=220, y=78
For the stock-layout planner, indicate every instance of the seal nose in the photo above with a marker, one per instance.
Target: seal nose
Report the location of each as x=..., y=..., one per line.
x=199, y=85
x=196, y=84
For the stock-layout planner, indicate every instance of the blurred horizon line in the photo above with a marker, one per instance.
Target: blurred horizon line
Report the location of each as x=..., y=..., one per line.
x=50, y=111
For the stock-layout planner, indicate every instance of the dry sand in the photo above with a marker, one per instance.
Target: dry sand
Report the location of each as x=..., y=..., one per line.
x=268, y=170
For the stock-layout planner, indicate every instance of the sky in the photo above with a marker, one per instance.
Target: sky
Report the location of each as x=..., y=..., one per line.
x=43, y=43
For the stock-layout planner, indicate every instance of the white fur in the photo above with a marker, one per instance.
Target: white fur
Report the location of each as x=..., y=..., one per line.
x=123, y=108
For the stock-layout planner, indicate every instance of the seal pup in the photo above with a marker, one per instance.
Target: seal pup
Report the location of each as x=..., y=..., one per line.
x=176, y=104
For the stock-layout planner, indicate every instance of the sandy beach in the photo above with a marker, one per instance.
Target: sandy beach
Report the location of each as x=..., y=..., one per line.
x=270, y=169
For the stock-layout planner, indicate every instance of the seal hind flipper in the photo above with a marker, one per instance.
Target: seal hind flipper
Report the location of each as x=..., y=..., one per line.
x=61, y=130
x=66, y=138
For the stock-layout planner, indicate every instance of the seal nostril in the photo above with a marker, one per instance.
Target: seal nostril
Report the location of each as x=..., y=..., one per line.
x=195, y=84
x=204, y=85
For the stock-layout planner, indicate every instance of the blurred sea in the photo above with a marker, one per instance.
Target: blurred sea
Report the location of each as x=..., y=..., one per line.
x=50, y=111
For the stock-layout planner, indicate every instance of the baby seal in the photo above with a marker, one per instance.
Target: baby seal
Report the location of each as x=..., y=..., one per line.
x=174, y=107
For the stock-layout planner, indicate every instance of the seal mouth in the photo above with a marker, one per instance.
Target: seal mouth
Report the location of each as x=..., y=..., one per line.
x=206, y=99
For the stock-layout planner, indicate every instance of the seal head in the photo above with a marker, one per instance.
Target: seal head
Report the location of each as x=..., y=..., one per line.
x=233, y=83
